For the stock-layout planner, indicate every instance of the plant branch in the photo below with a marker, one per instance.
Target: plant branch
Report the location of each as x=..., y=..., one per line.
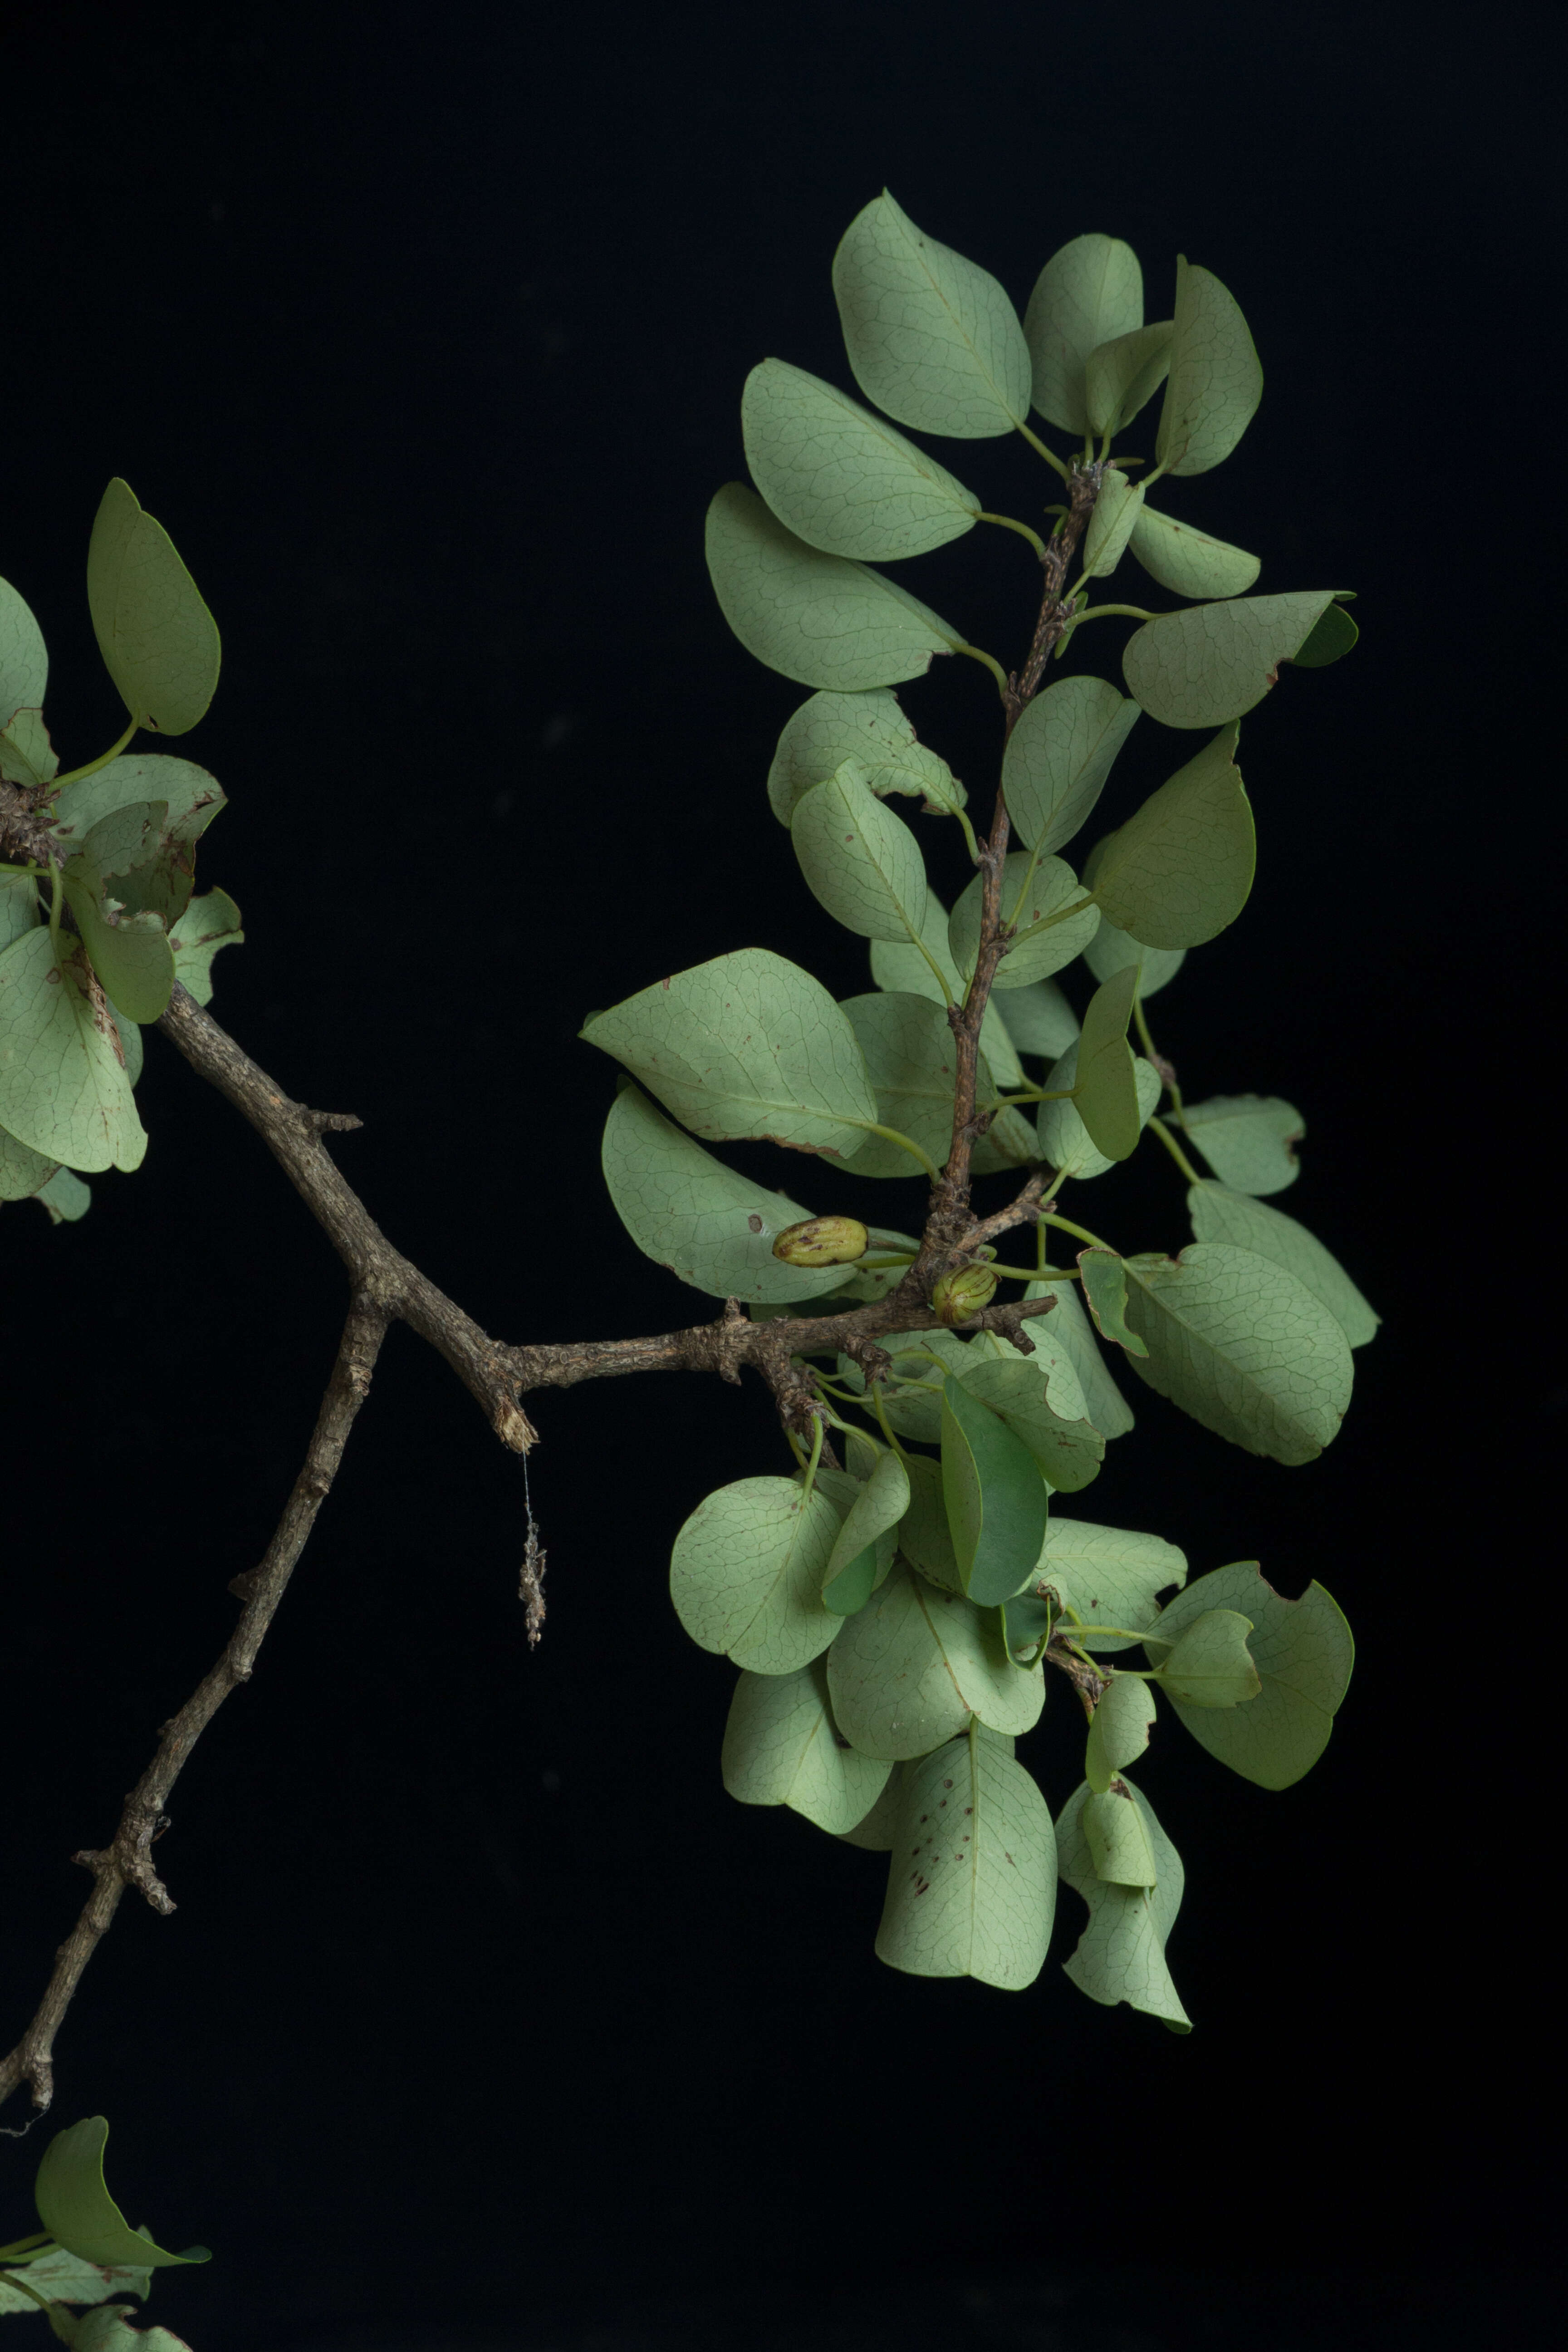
x=127, y=1860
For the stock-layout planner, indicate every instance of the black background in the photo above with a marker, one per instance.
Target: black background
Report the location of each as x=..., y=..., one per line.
x=486, y=2018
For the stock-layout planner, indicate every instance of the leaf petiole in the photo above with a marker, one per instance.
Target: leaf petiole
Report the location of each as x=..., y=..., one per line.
x=57, y=783
x=1174, y=1149
x=1057, y=465
x=1007, y=523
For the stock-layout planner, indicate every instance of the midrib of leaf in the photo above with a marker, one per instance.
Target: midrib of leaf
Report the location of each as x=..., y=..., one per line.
x=1004, y=404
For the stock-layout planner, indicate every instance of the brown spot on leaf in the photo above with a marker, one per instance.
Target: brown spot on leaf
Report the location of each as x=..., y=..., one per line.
x=754, y=1222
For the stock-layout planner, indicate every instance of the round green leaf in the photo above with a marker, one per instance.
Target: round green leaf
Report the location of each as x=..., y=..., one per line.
x=932, y=337
x=1090, y=293
x=1219, y=1215
x=747, y=1045
x=1038, y=1019
x=869, y=728
x=1058, y=757
x=1042, y=942
x=860, y=861
x=841, y=476
x=1303, y=1653
x=1216, y=382
x=1189, y=562
x=1120, y=1955
x=863, y=1549
x=1109, y=1576
x=817, y=618
x=1181, y=868
x=1209, y=1664
x=78, y=2211
x=971, y=1884
x=159, y=642
x=64, y=1091
x=1121, y=375
x=1040, y=1399
x=1249, y=1141
x=746, y=1574
x=908, y=1670
x=1214, y=662
x=781, y=1747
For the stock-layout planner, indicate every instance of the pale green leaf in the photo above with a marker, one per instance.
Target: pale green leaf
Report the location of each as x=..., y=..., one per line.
x=159, y=642
x=1064, y=1141
x=1105, y=1295
x=841, y=476
x=1219, y=1215
x=1117, y=1841
x=972, y=1883
x=870, y=728
x=1090, y=293
x=932, y=337
x=747, y=1045
x=1242, y=1346
x=1109, y=1576
x=863, y=1549
x=924, y=1537
x=1106, y=1095
x=877, y=1831
x=1189, y=562
x=61, y=2277
x=1215, y=383
x=207, y=924
x=860, y=861
x=23, y=1172
x=64, y=1196
x=1303, y=1653
x=1118, y=1735
x=781, y=1747
x=1248, y=1141
x=26, y=755
x=1213, y=663
x=1209, y=1664
x=746, y=1574
x=908, y=1670
x=1112, y=949
x=64, y=1091
x=910, y=1059
x=1069, y=1330
x=995, y=1494
x=1058, y=757
x=23, y=657
x=899, y=966
x=1122, y=374
x=1044, y=937
x=819, y=619
x=1038, y=1019
x=76, y=2210
x=691, y=1214
x=1120, y=1955
x=1111, y=526
x=1040, y=1399
x=1181, y=868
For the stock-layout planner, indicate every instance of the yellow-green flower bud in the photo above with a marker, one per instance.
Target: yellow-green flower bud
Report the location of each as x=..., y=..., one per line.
x=823, y=1241
x=963, y=1293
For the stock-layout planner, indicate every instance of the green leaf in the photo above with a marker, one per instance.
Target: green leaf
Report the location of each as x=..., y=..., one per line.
x=860, y=861
x=1190, y=562
x=908, y=1670
x=1106, y=1095
x=1040, y=1399
x=898, y=967
x=870, y=728
x=1181, y=868
x=19, y=907
x=1303, y=1653
x=971, y=1884
x=1109, y=1576
x=207, y=924
x=1042, y=944
x=817, y=618
x=863, y=1550
x=876, y=1832
x=1118, y=1735
x=781, y=1747
x=26, y=755
x=1333, y=638
x=1105, y=1289
x=746, y=1574
x=691, y=1214
x=159, y=642
x=1117, y=1841
x=1111, y=526
x=1112, y=949
x=924, y=1537
x=1247, y=1140
x=1219, y=1215
x=1124, y=374
x=1120, y=1955
x=1090, y=293
x=153, y=858
x=1216, y=382
x=64, y=1091
x=1242, y=1346
x=60, y=2277
x=66, y=1197
x=1210, y=1664
x=106, y=2329
x=1058, y=757
x=910, y=1059
x=1064, y=1141
x=747, y=1045
x=78, y=2211
x=131, y=952
x=997, y=1498
x=1070, y=1333
x=932, y=337
x=24, y=657
x=1214, y=662
x=23, y=1172
x=1038, y=1019
x=841, y=476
